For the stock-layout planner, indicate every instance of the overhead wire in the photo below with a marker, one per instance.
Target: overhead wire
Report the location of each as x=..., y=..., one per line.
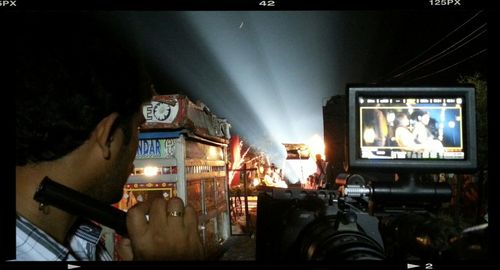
x=445, y=52
x=431, y=47
x=448, y=67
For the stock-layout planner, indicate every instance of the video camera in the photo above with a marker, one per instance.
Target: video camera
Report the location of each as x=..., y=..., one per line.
x=298, y=224
x=381, y=219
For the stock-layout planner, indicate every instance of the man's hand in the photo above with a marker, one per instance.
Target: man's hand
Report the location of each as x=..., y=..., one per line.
x=170, y=234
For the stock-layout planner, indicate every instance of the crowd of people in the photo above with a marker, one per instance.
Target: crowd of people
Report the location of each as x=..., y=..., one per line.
x=274, y=177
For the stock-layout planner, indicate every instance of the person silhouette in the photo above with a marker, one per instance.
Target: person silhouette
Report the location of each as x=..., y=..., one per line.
x=320, y=174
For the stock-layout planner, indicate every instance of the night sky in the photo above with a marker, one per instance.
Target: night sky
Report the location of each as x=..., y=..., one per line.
x=270, y=72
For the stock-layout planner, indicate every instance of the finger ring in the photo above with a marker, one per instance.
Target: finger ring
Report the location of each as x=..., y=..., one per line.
x=175, y=213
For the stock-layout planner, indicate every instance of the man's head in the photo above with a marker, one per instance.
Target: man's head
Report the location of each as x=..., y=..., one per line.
x=74, y=80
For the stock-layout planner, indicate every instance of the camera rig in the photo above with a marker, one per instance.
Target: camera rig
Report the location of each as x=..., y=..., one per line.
x=298, y=224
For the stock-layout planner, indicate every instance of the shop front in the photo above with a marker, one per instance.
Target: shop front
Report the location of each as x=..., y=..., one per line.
x=183, y=152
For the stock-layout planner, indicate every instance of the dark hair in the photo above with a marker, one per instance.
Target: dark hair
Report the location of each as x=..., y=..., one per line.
x=70, y=72
x=398, y=121
x=417, y=114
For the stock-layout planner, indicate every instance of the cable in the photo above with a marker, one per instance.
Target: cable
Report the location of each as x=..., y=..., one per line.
x=435, y=44
x=432, y=46
x=441, y=70
x=440, y=55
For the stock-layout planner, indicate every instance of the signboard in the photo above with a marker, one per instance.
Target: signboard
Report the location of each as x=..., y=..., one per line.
x=155, y=148
x=297, y=151
x=178, y=112
x=162, y=111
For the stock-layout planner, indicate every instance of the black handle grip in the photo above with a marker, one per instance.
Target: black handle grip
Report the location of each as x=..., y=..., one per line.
x=52, y=193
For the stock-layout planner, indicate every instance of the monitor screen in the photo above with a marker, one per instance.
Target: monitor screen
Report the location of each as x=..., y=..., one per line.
x=421, y=129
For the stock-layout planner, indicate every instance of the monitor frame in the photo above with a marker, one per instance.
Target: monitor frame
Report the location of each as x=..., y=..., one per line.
x=356, y=162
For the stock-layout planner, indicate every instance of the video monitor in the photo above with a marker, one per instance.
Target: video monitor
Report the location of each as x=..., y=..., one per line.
x=418, y=129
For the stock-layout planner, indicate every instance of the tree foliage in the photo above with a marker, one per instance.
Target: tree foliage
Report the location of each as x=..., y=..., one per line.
x=481, y=115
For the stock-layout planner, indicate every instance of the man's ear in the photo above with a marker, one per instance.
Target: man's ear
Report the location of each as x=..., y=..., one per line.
x=104, y=133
